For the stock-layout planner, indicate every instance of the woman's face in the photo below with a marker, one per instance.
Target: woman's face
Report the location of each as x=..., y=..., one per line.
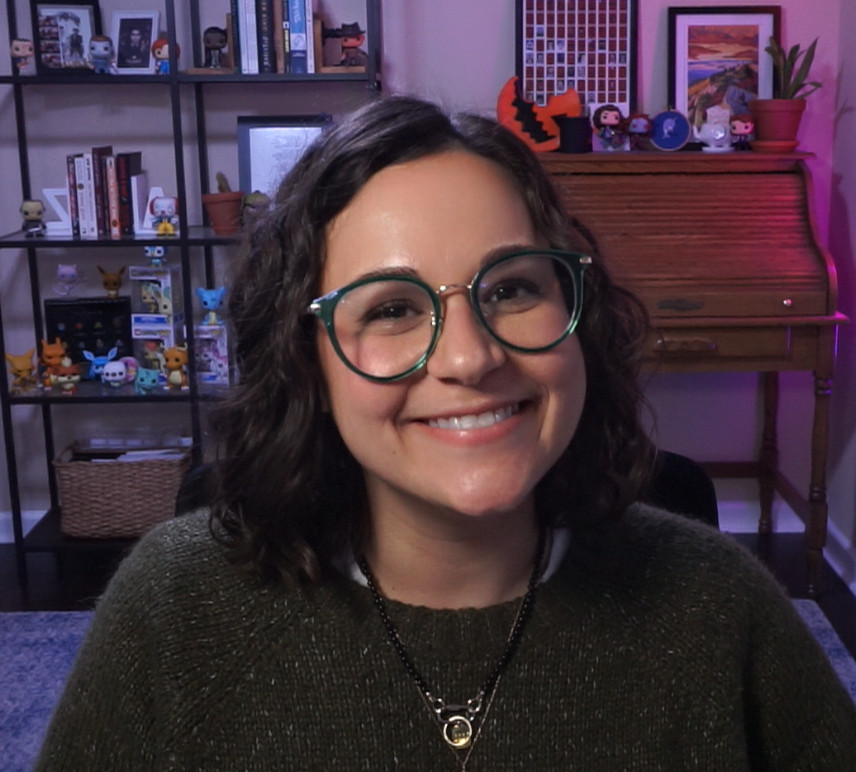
x=416, y=440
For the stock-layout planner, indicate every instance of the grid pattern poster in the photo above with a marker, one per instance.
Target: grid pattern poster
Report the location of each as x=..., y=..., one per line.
x=586, y=45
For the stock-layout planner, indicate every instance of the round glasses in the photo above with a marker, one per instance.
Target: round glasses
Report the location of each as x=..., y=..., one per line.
x=385, y=327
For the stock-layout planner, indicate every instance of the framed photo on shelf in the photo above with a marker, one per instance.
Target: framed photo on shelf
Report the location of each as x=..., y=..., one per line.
x=268, y=146
x=61, y=35
x=585, y=45
x=133, y=33
x=717, y=61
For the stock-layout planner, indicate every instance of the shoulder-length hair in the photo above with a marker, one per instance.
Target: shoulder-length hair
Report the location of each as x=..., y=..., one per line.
x=289, y=498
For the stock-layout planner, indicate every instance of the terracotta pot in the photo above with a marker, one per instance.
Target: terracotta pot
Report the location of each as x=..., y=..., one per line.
x=224, y=211
x=776, y=124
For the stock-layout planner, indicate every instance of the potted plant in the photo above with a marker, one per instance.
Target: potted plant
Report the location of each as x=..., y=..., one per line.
x=223, y=207
x=777, y=120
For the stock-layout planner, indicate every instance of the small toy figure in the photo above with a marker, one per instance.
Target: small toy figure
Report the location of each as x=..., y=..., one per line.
x=147, y=380
x=742, y=128
x=23, y=370
x=119, y=372
x=609, y=134
x=50, y=359
x=67, y=376
x=175, y=364
x=214, y=40
x=98, y=363
x=352, y=37
x=715, y=137
x=639, y=131
x=156, y=255
x=102, y=54
x=111, y=281
x=164, y=209
x=211, y=300
x=21, y=50
x=160, y=51
x=33, y=210
x=67, y=278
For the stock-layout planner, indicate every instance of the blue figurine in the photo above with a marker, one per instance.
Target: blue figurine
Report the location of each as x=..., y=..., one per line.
x=211, y=301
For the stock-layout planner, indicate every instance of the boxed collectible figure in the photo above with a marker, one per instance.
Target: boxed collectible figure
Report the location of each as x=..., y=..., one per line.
x=212, y=354
x=157, y=319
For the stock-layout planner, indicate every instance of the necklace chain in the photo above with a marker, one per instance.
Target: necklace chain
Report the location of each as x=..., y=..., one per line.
x=461, y=725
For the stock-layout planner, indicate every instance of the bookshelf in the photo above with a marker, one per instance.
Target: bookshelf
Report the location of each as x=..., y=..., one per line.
x=184, y=123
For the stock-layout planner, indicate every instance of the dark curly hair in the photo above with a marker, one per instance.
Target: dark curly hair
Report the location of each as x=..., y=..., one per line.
x=288, y=496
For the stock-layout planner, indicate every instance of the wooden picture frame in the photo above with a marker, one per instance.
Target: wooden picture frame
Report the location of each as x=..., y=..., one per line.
x=61, y=35
x=585, y=45
x=268, y=146
x=133, y=33
x=717, y=62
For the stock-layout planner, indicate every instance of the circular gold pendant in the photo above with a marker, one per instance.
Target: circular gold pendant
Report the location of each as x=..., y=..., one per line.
x=458, y=731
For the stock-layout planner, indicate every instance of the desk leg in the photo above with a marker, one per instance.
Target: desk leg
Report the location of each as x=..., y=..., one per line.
x=815, y=532
x=769, y=456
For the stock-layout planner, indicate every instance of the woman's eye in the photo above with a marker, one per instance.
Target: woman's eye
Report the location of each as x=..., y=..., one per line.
x=391, y=311
x=511, y=292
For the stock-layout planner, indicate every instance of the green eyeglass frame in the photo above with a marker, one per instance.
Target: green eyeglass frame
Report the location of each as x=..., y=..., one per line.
x=324, y=307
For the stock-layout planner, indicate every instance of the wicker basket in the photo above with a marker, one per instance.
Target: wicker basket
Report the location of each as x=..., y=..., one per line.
x=116, y=500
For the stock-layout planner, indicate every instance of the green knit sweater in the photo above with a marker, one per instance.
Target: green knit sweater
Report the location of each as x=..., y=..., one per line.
x=658, y=645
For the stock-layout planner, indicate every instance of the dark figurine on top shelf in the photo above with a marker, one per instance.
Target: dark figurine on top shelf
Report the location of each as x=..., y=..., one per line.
x=214, y=40
x=21, y=50
x=102, y=55
x=160, y=52
x=742, y=128
x=349, y=38
x=33, y=212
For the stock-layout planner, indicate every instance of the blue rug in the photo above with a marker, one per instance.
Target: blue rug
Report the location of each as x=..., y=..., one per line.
x=38, y=649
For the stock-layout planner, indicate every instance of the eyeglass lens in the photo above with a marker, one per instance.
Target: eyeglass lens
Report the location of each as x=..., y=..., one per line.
x=386, y=326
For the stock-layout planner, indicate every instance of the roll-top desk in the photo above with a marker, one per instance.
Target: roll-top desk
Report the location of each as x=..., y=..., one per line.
x=723, y=250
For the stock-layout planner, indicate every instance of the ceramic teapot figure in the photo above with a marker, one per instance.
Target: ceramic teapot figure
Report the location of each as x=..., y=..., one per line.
x=716, y=137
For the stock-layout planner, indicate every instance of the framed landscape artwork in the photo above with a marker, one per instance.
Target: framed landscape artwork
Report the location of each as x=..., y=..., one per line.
x=717, y=61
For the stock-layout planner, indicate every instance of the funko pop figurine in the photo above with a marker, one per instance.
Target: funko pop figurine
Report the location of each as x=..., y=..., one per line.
x=742, y=129
x=98, y=363
x=639, y=130
x=21, y=50
x=102, y=54
x=23, y=370
x=156, y=255
x=66, y=376
x=253, y=204
x=111, y=281
x=50, y=359
x=175, y=364
x=147, y=380
x=211, y=300
x=160, y=52
x=609, y=133
x=33, y=210
x=164, y=209
x=214, y=40
x=67, y=278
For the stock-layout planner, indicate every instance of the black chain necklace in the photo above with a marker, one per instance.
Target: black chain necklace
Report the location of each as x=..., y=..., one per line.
x=461, y=725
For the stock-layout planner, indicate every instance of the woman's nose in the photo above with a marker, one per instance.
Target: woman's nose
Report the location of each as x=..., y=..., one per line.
x=465, y=351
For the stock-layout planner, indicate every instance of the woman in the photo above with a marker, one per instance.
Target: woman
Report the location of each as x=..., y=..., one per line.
x=423, y=551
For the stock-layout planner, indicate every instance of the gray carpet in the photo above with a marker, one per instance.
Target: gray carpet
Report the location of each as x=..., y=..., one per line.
x=37, y=651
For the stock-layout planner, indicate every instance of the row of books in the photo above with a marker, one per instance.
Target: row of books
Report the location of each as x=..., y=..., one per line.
x=107, y=193
x=272, y=36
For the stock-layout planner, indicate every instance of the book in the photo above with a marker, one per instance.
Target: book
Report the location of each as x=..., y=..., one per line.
x=101, y=218
x=278, y=46
x=85, y=195
x=111, y=184
x=265, y=35
x=310, y=37
x=234, y=34
x=297, y=36
x=139, y=199
x=127, y=164
x=249, y=40
x=71, y=183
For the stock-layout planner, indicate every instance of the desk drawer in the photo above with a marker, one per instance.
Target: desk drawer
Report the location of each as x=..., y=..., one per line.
x=721, y=343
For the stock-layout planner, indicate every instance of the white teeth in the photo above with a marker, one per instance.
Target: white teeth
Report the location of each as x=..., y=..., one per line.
x=480, y=421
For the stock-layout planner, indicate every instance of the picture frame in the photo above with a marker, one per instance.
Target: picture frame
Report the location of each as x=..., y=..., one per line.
x=133, y=33
x=717, y=62
x=61, y=35
x=269, y=146
x=585, y=45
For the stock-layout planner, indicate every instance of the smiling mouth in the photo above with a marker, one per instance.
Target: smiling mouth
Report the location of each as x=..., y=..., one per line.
x=473, y=421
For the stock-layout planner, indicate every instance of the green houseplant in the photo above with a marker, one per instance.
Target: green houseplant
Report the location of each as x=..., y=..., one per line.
x=223, y=207
x=777, y=120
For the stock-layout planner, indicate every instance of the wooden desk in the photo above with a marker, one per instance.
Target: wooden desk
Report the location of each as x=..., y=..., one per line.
x=723, y=250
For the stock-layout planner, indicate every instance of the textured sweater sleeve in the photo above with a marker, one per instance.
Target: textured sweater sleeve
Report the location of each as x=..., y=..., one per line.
x=108, y=712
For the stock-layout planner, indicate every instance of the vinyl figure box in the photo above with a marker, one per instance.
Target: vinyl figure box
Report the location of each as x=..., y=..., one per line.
x=157, y=318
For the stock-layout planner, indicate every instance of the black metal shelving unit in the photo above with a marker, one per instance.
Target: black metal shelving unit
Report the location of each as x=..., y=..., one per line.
x=191, y=239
